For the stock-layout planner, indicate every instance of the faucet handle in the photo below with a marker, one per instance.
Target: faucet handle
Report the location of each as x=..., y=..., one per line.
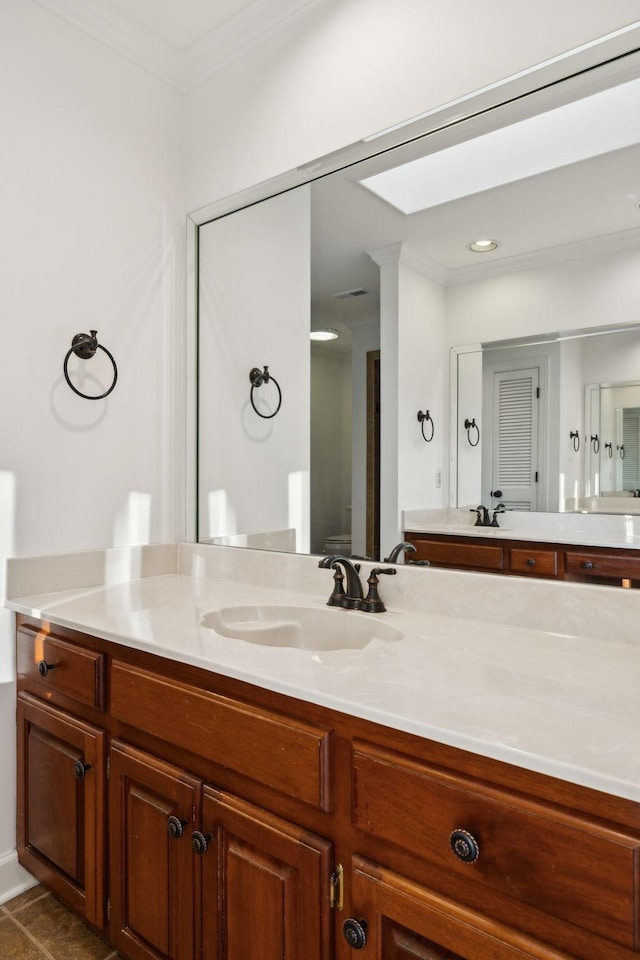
x=478, y=512
x=372, y=603
x=338, y=597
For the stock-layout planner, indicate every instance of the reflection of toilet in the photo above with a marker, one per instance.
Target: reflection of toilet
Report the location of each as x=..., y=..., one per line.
x=340, y=544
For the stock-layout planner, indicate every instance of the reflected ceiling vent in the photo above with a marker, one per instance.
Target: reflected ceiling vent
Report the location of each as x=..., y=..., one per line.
x=349, y=294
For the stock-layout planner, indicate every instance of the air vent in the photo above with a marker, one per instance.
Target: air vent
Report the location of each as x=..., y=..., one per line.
x=348, y=294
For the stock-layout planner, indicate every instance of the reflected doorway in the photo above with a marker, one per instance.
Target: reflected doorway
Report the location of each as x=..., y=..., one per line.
x=373, y=454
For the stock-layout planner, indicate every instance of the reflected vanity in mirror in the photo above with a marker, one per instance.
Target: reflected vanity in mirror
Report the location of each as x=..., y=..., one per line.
x=395, y=269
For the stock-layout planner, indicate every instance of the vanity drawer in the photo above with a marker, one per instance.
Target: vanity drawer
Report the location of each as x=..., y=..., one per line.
x=592, y=564
x=537, y=563
x=54, y=669
x=289, y=755
x=566, y=865
x=455, y=554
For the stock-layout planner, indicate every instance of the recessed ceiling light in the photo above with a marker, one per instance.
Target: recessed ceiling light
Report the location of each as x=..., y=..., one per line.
x=482, y=246
x=324, y=335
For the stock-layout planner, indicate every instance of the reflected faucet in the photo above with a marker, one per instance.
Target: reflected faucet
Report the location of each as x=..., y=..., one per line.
x=353, y=596
x=482, y=516
x=399, y=550
x=500, y=508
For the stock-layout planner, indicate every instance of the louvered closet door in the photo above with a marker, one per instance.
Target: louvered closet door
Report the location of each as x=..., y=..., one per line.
x=514, y=466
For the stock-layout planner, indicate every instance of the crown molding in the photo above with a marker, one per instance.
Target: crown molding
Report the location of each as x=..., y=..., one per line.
x=182, y=68
x=235, y=37
x=121, y=33
x=564, y=253
x=388, y=254
x=425, y=265
x=582, y=249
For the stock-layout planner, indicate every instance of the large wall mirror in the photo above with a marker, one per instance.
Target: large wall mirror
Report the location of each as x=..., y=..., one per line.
x=486, y=274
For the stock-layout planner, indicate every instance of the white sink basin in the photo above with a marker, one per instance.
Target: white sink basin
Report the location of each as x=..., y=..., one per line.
x=307, y=628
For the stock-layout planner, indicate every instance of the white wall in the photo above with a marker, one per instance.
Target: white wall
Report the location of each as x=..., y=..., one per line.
x=571, y=418
x=255, y=307
x=572, y=295
x=92, y=205
x=345, y=69
x=423, y=382
x=413, y=378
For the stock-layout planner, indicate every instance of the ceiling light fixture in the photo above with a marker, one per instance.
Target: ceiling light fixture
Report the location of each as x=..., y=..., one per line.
x=323, y=335
x=483, y=246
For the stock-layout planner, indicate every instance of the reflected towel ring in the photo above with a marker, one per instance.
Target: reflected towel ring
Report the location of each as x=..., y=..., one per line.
x=609, y=448
x=470, y=425
x=257, y=378
x=595, y=440
x=575, y=436
x=422, y=417
x=621, y=449
x=85, y=345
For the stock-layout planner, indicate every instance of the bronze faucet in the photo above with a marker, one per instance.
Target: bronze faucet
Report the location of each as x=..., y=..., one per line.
x=399, y=550
x=353, y=598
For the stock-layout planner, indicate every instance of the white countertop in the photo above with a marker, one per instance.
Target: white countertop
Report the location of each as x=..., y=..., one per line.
x=577, y=529
x=558, y=703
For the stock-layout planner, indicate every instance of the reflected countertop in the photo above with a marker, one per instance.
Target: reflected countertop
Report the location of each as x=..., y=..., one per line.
x=575, y=529
x=559, y=703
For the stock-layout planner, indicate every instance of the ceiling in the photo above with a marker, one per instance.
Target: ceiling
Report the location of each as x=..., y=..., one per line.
x=580, y=209
x=182, y=41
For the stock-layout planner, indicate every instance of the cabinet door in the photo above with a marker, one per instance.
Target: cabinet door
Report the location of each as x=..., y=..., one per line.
x=404, y=921
x=153, y=809
x=265, y=885
x=61, y=804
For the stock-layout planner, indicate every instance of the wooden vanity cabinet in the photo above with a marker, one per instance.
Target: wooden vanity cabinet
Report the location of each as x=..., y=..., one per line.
x=528, y=558
x=61, y=804
x=265, y=885
x=199, y=872
x=153, y=874
x=246, y=825
x=409, y=922
x=62, y=748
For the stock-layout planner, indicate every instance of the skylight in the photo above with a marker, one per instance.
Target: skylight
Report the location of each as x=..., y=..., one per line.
x=586, y=128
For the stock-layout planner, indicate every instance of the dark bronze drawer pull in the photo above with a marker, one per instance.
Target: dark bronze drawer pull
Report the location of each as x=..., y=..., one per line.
x=80, y=769
x=587, y=565
x=465, y=846
x=531, y=562
x=175, y=827
x=200, y=842
x=355, y=933
x=44, y=667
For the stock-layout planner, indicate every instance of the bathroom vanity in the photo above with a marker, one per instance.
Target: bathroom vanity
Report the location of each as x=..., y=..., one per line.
x=450, y=788
x=562, y=547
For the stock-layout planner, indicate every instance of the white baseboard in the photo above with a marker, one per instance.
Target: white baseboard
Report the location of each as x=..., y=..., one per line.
x=14, y=879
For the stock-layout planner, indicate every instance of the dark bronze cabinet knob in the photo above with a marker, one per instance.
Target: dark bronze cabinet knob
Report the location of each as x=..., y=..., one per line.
x=44, y=668
x=465, y=846
x=531, y=562
x=200, y=842
x=355, y=933
x=587, y=565
x=80, y=768
x=175, y=826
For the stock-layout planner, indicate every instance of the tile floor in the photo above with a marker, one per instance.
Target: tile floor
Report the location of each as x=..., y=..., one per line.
x=35, y=926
